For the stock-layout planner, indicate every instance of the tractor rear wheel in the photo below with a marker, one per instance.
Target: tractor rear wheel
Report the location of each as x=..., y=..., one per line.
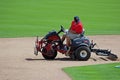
x=82, y=53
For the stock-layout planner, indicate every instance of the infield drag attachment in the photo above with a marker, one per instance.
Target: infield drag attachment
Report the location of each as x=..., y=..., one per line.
x=103, y=52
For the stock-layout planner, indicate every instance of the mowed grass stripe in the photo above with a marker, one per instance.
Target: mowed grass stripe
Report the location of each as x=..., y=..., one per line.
x=36, y=17
x=94, y=72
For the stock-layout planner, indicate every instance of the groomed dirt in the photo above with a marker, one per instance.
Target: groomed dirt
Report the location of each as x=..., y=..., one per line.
x=17, y=61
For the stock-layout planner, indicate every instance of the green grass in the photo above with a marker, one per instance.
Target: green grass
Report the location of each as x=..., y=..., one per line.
x=94, y=72
x=20, y=18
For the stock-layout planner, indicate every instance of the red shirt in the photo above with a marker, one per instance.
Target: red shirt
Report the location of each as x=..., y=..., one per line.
x=77, y=27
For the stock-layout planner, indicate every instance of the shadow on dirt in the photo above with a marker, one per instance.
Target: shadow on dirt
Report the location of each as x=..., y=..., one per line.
x=32, y=59
x=56, y=59
x=68, y=59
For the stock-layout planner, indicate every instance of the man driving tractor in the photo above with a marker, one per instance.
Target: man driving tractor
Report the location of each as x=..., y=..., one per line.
x=74, y=31
x=77, y=47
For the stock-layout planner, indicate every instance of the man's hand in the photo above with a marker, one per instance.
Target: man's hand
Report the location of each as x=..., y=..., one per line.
x=72, y=31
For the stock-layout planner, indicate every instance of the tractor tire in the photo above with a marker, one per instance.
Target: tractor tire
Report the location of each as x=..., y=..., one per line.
x=82, y=53
x=49, y=55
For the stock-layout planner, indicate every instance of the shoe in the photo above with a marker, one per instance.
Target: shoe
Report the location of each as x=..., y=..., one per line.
x=63, y=48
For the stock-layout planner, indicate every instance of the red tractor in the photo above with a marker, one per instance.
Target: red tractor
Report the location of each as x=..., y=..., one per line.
x=81, y=47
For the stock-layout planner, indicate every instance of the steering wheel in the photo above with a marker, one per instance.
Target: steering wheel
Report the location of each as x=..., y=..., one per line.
x=62, y=28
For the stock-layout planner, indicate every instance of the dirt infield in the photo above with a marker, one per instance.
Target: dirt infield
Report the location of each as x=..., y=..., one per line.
x=17, y=61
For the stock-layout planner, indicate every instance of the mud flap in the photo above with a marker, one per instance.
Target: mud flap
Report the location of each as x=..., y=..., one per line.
x=35, y=51
x=35, y=47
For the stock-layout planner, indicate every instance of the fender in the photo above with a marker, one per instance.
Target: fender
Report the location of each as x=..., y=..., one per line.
x=83, y=44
